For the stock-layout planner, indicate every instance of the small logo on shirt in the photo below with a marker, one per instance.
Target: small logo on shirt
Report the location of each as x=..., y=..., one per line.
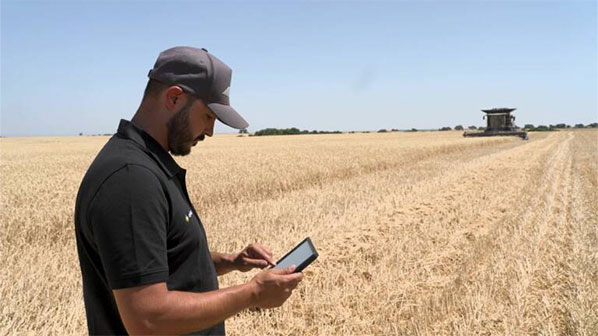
x=188, y=216
x=225, y=92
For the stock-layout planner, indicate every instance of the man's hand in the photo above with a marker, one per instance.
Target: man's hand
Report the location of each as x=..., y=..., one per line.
x=253, y=256
x=274, y=286
x=154, y=309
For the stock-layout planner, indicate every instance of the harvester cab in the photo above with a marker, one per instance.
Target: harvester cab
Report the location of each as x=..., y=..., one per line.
x=500, y=122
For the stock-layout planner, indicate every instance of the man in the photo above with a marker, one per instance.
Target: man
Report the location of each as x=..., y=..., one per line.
x=143, y=251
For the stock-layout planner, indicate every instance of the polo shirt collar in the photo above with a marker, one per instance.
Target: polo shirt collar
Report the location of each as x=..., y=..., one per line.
x=128, y=130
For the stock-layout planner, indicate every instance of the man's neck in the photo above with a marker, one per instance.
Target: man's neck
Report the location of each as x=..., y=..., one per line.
x=150, y=122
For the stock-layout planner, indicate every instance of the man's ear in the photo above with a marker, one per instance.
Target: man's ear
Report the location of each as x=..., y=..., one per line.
x=174, y=97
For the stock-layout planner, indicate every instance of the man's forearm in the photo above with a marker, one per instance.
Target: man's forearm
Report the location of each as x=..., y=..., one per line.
x=176, y=312
x=223, y=262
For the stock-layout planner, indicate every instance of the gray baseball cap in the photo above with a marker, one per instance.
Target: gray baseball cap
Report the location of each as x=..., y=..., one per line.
x=200, y=73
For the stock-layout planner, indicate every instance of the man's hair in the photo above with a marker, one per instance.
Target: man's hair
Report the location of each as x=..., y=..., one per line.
x=153, y=88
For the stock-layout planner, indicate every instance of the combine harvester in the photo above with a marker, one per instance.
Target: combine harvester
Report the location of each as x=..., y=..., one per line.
x=500, y=123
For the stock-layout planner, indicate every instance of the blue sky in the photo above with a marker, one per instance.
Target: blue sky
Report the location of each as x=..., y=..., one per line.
x=70, y=67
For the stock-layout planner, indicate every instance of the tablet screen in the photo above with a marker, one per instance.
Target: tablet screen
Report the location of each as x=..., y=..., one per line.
x=302, y=253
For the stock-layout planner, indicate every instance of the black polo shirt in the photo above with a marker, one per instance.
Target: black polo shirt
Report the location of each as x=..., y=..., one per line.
x=135, y=225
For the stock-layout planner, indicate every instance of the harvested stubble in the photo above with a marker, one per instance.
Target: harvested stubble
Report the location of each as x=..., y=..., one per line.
x=418, y=233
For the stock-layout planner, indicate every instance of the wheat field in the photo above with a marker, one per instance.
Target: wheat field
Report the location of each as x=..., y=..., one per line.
x=423, y=233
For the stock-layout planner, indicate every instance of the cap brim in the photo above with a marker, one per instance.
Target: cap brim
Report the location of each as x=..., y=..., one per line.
x=228, y=116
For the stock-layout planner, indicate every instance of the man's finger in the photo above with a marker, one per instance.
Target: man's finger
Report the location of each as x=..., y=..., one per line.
x=262, y=253
x=283, y=271
x=293, y=278
x=267, y=250
x=255, y=262
x=287, y=277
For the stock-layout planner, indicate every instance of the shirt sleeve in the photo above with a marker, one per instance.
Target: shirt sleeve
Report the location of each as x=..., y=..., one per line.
x=129, y=217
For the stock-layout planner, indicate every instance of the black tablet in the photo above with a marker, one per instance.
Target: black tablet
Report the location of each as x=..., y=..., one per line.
x=301, y=256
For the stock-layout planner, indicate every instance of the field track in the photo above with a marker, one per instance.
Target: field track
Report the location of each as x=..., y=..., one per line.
x=418, y=233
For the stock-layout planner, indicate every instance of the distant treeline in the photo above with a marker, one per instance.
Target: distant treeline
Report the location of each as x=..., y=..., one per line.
x=295, y=130
x=460, y=128
x=99, y=134
x=289, y=131
x=541, y=128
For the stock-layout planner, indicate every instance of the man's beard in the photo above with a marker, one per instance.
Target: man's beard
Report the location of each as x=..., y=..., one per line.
x=180, y=138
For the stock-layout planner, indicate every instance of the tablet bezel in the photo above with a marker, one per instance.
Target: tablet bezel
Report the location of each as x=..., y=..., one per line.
x=307, y=261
